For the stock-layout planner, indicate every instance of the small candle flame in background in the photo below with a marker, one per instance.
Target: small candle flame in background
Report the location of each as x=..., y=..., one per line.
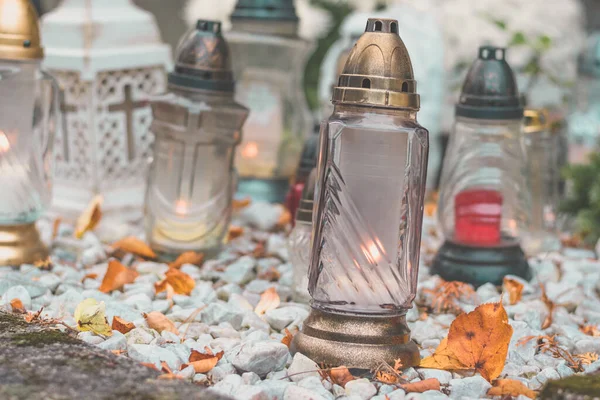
x=4, y=143
x=250, y=150
x=181, y=207
x=372, y=252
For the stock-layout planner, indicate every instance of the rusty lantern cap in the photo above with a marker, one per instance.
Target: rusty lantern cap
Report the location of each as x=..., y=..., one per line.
x=19, y=31
x=378, y=72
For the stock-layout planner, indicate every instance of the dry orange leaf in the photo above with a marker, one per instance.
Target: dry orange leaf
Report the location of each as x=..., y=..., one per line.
x=340, y=376
x=158, y=321
x=587, y=358
x=287, y=339
x=240, y=204
x=149, y=365
x=234, y=232
x=202, y=362
x=269, y=300
x=89, y=276
x=134, y=245
x=117, y=275
x=514, y=289
x=90, y=217
x=195, y=355
x=590, y=330
x=55, y=226
x=179, y=282
x=119, y=324
x=284, y=219
x=550, y=305
x=189, y=257
x=510, y=387
x=422, y=386
x=477, y=340
x=270, y=274
x=17, y=306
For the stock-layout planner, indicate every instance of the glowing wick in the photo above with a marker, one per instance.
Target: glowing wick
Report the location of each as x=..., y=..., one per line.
x=181, y=207
x=250, y=150
x=4, y=143
x=372, y=252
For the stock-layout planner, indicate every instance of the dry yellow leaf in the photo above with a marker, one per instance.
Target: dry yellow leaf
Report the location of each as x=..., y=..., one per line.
x=422, y=386
x=514, y=289
x=117, y=275
x=179, y=282
x=477, y=340
x=119, y=324
x=510, y=387
x=269, y=300
x=189, y=257
x=158, y=321
x=134, y=245
x=91, y=316
x=17, y=306
x=90, y=217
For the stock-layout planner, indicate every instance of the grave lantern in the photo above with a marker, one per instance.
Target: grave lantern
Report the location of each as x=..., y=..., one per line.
x=369, y=210
x=269, y=66
x=485, y=203
x=197, y=127
x=28, y=118
x=108, y=59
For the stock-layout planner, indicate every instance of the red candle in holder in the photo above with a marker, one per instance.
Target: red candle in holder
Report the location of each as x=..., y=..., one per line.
x=478, y=214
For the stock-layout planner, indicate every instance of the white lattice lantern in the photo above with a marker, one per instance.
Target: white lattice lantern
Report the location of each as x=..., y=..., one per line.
x=109, y=59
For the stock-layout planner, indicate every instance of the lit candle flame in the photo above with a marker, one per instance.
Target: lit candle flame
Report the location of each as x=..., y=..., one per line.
x=250, y=150
x=372, y=252
x=181, y=207
x=4, y=143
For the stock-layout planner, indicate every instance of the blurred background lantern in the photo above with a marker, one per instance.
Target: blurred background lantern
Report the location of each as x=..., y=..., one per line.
x=197, y=127
x=542, y=144
x=269, y=64
x=584, y=121
x=28, y=119
x=485, y=202
x=108, y=59
x=369, y=194
x=299, y=240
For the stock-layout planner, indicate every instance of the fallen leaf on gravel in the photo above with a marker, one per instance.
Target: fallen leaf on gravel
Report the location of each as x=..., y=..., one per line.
x=422, y=386
x=117, y=275
x=477, y=340
x=134, y=245
x=340, y=375
x=119, y=324
x=189, y=257
x=180, y=282
x=514, y=289
x=284, y=219
x=91, y=316
x=150, y=365
x=55, y=226
x=270, y=274
x=587, y=358
x=90, y=217
x=287, y=339
x=89, y=276
x=158, y=321
x=240, y=204
x=550, y=305
x=590, y=330
x=510, y=387
x=202, y=362
x=269, y=300
x=234, y=232
x=17, y=306
x=195, y=355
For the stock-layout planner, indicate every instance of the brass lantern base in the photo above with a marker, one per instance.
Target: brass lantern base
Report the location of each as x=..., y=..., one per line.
x=360, y=342
x=21, y=244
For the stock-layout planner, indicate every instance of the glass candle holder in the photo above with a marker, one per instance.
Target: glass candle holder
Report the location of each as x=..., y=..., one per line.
x=485, y=203
x=269, y=65
x=197, y=127
x=28, y=118
x=542, y=146
x=369, y=210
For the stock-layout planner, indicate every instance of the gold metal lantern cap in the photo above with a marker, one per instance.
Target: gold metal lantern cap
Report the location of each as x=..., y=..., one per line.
x=19, y=31
x=378, y=72
x=536, y=120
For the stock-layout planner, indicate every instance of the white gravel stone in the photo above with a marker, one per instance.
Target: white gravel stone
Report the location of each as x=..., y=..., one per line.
x=397, y=394
x=443, y=376
x=200, y=379
x=361, y=388
x=591, y=345
x=187, y=373
x=139, y=336
x=338, y=391
x=241, y=271
x=228, y=385
x=544, y=376
x=154, y=354
x=139, y=301
x=275, y=389
x=90, y=337
x=216, y=313
x=248, y=392
x=472, y=387
x=261, y=357
x=293, y=392
x=117, y=341
x=302, y=367
x=261, y=215
x=284, y=317
x=276, y=245
x=314, y=384
x=250, y=378
x=17, y=292
x=50, y=281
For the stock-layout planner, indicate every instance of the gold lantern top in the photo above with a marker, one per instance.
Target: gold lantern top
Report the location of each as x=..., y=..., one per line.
x=536, y=120
x=19, y=31
x=378, y=72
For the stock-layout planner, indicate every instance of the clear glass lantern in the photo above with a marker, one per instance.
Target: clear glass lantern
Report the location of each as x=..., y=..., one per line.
x=485, y=203
x=28, y=118
x=299, y=241
x=542, y=144
x=584, y=121
x=369, y=209
x=197, y=126
x=269, y=66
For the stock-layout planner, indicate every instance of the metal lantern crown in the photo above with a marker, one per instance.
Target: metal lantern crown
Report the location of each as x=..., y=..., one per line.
x=19, y=31
x=276, y=17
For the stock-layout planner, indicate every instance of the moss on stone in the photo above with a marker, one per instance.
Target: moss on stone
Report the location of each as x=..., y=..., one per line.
x=42, y=338
x=576, y=384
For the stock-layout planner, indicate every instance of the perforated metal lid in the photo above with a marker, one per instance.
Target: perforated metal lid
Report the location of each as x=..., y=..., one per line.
x=378, y=71
x=202, y=60
x=490, y=89
x=275, y=17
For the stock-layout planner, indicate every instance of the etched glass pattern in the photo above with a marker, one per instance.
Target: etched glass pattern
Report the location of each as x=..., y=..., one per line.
x=299, y=249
